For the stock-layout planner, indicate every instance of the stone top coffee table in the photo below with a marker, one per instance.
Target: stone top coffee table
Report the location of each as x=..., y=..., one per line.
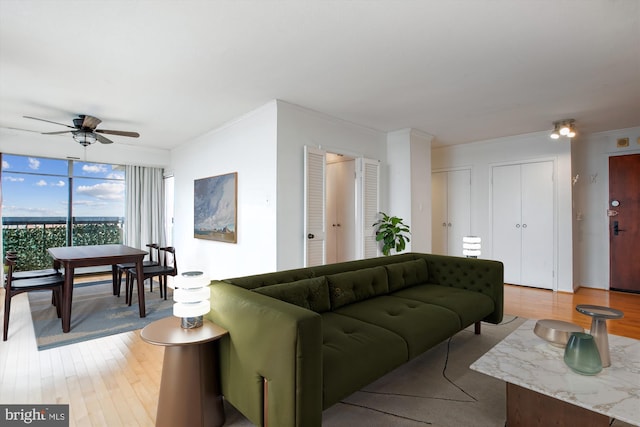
x=540, y=384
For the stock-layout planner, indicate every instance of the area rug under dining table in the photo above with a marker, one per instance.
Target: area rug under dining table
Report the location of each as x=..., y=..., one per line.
x=96, y=313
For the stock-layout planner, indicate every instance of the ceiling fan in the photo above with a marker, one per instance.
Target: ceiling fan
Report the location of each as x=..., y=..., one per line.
x=84, y=130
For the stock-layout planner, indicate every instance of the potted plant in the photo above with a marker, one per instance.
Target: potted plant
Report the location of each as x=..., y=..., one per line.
x=392, y=232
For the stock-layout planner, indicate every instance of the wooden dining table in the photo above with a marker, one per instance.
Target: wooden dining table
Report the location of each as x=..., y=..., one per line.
x=72, y=257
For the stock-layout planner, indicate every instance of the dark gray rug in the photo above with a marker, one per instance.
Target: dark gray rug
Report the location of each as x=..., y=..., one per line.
x=95, y=313
x=434, y=389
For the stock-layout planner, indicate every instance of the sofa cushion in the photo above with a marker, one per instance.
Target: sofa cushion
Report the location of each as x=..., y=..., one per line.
x=354, y=354
x=268, y=279
x=405, y=274
x=421, y=325
x=312, y=294
x=353, y=286
x=470, y=306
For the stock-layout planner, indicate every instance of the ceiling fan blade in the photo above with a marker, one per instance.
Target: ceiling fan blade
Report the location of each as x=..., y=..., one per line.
x=48, y=121
x=102, y=139
x=56, y=133
x=91, y=122
x=118, y=132
x=25, y=130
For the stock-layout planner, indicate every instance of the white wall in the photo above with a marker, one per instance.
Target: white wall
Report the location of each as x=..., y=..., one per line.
x=63, y=146
x=409, y=172
x=591, y=200
x=482, y=156
x=246, y=146
x=297, y=127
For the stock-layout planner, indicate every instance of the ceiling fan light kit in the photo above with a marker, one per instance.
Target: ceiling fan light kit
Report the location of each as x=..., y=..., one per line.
x=84, y=130
x=566, y=128
x=84, y=138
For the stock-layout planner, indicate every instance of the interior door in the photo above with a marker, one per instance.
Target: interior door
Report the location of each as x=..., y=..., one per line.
x=368, y=201
x=624, y=222
x=439, y=214
x=459, y=209
x=506, y=226
x=314, y=206
x=537, y=224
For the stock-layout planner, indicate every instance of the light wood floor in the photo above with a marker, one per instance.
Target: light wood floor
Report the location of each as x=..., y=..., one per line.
x=114, y=381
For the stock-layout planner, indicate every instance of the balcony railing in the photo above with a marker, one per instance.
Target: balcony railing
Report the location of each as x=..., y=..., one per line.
x=30, y=237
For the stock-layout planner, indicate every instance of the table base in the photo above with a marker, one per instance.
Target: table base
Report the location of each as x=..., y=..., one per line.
x=190, y=387
x=527, y=408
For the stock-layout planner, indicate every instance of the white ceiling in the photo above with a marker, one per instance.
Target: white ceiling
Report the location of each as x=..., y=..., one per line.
x=459, y=70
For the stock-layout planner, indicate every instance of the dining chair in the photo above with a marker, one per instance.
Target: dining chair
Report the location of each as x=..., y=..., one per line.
x=123, y=267
x=167, y=267
x=30, y=274
x=14, y=286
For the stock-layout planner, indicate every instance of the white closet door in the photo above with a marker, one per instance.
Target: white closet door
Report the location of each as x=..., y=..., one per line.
x=537, y=224
x=506, y=226
x=439, y=215
x=368, y=174
x=459, y=209
x=314, y=205
x=451, y=210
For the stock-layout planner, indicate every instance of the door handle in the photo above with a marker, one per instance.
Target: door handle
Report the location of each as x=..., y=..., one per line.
x=310, y=236
x=616, y=228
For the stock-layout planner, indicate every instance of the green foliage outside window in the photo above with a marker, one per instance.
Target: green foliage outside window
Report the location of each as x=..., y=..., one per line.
x=31, y=243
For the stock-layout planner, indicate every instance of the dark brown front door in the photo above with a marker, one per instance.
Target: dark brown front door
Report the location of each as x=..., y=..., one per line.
x=624, y=222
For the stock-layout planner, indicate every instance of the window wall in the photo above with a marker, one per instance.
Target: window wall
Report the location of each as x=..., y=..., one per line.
x=54, y=202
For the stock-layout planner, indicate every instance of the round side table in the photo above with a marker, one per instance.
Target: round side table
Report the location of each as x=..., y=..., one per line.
x=599, y=316
x=190, y=385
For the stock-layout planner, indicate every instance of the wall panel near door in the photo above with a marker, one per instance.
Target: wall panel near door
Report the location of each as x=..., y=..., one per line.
x=523, y=222
x=451, y=214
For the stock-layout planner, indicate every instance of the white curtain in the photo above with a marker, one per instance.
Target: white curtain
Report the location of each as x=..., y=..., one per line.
x=144, y=206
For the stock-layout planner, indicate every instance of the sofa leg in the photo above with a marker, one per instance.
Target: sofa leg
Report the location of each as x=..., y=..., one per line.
x=265, y=403
x=477, y=328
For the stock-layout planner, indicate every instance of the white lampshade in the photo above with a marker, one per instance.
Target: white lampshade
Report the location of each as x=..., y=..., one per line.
x=191, y=296
x=471, y=246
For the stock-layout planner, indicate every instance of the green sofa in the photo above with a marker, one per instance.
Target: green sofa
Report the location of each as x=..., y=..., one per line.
x=301, y=340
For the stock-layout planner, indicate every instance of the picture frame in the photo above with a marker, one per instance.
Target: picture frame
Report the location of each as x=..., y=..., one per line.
x=215, y=208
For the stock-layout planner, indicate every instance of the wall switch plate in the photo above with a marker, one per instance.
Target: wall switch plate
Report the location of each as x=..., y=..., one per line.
x=623, y=142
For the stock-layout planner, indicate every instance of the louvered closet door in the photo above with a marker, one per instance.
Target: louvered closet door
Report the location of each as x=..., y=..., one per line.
x=314, y=205
x=369, y=175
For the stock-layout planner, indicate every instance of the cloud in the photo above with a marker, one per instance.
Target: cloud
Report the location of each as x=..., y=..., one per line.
x=12, y=178
x=5, y=164
x=60, y=183
x=41, y=183
x=116, y=175
x=34, y=163
x=103, y=191
x=94, y=168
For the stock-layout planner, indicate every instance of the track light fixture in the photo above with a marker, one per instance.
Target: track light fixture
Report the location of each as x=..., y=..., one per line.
x=563, y=128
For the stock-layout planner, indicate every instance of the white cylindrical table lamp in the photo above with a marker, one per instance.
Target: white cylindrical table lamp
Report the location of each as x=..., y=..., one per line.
x=471, y=246
x=191, y=296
